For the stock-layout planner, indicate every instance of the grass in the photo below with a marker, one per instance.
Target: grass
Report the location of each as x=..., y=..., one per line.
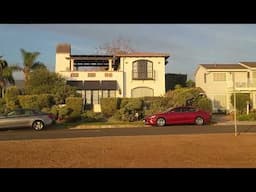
x=66, y=125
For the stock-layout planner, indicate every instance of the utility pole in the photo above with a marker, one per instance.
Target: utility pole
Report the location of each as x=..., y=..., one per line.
x=235, y=113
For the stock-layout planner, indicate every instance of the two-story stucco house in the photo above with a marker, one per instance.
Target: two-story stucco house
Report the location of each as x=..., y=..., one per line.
x=219, y=81
x=120, y=75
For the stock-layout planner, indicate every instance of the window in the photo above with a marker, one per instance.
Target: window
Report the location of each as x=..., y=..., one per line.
x=142, y=70
x=205, y=78
x=219, y=76
x=108, y=93
x=142, y=92
x=95, y=97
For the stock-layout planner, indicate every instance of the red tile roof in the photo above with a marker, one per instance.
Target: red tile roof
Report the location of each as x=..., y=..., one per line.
x=143, y=54
x=249, y=64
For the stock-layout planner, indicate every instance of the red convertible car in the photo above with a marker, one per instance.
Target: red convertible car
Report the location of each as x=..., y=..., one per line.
x=179, y=115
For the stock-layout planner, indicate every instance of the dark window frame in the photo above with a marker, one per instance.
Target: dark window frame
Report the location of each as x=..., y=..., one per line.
x=140, y=70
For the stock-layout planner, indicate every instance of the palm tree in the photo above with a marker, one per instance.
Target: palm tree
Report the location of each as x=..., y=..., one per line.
x=6, y=74
x=29, y=62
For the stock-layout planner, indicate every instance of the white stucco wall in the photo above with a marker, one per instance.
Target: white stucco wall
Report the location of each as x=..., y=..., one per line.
x=158, y=82
x=62, y=64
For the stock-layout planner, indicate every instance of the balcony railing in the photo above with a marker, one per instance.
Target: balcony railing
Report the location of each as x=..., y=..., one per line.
x=242, y=85
x=143, y=75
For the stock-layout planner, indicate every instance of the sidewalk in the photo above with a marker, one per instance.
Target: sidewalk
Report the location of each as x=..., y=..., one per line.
x=226, y=120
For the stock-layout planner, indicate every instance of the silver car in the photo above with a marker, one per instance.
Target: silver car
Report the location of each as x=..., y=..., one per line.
x=26, y=118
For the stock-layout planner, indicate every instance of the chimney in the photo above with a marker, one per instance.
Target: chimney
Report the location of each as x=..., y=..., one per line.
x=63, y=48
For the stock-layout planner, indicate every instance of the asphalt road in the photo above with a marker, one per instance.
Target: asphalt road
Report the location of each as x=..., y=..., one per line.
x=54, y=133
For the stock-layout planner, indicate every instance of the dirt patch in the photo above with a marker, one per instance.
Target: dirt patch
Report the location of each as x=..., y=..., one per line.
x=182, y=151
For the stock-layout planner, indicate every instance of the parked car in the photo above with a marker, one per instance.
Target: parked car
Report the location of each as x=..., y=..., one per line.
x=26, y=118
x=179, y=115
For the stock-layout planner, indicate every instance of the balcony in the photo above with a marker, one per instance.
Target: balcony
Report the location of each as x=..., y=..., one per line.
x=92, y=75
x=143, y=75
x=242, y=86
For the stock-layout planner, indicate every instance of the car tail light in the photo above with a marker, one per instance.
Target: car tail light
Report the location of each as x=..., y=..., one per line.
x=51, y=116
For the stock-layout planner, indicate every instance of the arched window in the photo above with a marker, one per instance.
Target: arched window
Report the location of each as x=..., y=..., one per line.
x=142, y=69
x=142, y=92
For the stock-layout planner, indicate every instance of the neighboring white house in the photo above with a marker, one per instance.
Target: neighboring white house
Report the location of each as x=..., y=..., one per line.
x=120, y=75
x=219, y=81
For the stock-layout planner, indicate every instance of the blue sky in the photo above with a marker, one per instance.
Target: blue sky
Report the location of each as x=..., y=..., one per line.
x=187, y=44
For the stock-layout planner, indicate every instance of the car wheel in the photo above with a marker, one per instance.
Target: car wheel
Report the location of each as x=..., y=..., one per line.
x=199, y=121
x=160, y=122
x=38, y=125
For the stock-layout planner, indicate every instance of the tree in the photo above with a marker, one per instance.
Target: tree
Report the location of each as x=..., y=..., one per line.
x=190, y=83
x=118, y=46
x=42, y=81
x=241, y=101
x=29, y=63
x=6, y=75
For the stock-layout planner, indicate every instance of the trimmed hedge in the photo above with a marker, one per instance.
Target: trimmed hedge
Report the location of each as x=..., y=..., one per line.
x=75, y=103
x=109, y=106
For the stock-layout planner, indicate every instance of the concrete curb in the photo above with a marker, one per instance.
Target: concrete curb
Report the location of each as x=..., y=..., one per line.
x=106, y=126
x=137, y=126
x=238, y=123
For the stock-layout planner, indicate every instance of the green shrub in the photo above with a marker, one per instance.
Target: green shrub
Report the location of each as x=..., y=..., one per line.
x=29, y=101
x=75, y=103
x=241, y=101
x=36, y=101
x=124, y=101
x=129, y=107
x=11, y=98
x=46, y=110
x=245, y=117
x=156, y=105
x=204, y=103
x=178, y=97
x=109, y=106
x=134, y=104
x=2, y=105
x=45, y=100
x=64, y=112
x=73, y=117
x=90, y=116
x=55, y=110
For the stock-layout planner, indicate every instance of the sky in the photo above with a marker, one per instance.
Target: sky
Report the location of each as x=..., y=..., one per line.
x=187, y=44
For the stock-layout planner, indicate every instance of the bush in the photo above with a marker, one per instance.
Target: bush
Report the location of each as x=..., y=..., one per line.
x=241, y=101
x=11, y=98
x=204, y=103
x=75, y=103
x=46, y=110
x=90, y=116
x=245, y=117
x=64, y=112
x=155, y=105
x=55, y=110
x=129, y=107
x=73, y=117
x=2, y=105
x=109, y=106
x=45, y=100
x=178, y=97
x=36, y=101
